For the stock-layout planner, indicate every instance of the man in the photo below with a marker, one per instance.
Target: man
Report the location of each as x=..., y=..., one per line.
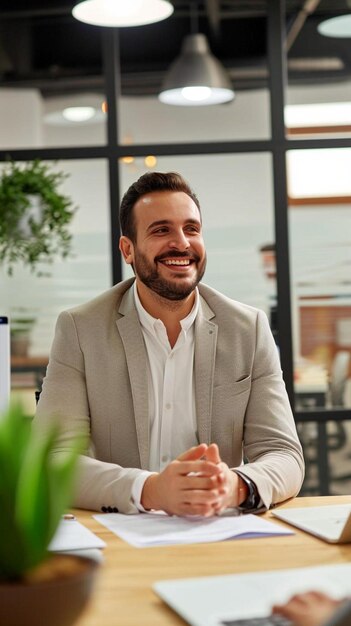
x=174, y=381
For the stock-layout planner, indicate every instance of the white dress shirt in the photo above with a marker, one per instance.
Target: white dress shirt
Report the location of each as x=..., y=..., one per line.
x=172, y=411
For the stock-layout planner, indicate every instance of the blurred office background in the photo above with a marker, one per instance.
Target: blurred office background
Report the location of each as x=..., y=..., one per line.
x=271, y=169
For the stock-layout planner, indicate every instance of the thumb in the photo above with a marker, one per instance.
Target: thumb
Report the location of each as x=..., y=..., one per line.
x=212, y=453
x=193, y=454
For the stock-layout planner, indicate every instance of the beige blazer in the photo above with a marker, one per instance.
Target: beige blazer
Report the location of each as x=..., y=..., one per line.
x=97, y=381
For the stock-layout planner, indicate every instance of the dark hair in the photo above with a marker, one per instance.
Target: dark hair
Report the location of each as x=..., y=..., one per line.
x=149, y=182
x=268, y=247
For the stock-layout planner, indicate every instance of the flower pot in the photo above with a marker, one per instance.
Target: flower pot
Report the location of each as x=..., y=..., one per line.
x=20, y=344
x=53, y=594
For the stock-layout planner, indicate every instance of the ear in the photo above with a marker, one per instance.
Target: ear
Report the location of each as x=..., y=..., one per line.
x=127, y=249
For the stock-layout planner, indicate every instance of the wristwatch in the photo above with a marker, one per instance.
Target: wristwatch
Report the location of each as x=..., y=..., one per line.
x=253, y=498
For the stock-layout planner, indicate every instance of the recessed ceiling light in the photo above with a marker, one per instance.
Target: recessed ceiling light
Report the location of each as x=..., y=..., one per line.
x=122, y=13
x=78, y=114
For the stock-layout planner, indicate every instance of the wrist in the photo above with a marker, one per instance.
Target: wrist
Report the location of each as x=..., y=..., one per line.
x=252, y=499
x=148, y=498
x=243, y=491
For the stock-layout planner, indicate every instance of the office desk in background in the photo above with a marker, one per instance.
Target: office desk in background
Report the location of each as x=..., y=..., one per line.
x=310, y=385
x=34, y=367
x=27, y=373
x=123, y=594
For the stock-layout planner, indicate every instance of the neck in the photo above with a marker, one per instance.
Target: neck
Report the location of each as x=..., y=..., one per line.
x=170, y=312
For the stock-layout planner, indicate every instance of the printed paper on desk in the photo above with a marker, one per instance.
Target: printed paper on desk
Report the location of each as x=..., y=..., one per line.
x=72, y=535
x=156, y=529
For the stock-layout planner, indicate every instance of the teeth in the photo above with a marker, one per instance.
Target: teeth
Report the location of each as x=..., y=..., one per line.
x=177, y=262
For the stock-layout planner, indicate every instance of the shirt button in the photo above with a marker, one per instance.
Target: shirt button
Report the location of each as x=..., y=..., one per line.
x=168, y=406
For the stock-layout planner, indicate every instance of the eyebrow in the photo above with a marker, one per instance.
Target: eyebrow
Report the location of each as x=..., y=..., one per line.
x=166, y=222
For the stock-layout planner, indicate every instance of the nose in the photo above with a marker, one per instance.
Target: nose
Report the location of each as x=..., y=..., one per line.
x=179, y=240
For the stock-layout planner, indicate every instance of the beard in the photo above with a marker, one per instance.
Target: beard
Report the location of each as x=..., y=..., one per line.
x=170, y=289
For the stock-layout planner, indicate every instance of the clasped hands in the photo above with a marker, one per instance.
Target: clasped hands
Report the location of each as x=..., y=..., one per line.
x=196, y=483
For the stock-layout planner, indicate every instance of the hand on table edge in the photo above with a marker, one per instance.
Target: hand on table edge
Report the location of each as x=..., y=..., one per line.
x=312, y=608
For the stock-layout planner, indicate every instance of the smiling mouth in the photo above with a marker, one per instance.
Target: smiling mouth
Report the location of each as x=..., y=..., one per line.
x=177, y=262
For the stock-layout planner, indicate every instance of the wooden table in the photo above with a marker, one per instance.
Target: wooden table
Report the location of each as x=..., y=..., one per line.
x=124, y=597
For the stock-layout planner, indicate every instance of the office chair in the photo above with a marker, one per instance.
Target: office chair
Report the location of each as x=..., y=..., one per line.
x=338, y=377
x=336, y=433
x=337, y=436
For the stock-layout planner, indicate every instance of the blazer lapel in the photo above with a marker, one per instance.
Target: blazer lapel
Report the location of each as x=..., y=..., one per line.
x=205, y=351
x=133, y=343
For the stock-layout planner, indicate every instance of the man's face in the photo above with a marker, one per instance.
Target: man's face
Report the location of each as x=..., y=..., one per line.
x=169, y=254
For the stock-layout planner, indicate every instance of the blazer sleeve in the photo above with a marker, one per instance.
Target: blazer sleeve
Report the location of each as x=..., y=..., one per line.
x=64, y=399
x=271, y=445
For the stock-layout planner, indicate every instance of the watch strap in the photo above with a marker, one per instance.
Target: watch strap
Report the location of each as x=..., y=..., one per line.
x=253, y=498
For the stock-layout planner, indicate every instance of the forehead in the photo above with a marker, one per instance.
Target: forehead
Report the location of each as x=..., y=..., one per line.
x=174, y=206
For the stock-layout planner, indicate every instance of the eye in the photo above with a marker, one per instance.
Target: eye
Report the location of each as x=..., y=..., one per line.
x=192, y=228
x=160, y=231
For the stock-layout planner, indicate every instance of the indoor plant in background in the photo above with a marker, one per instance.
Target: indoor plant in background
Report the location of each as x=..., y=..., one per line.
x=34, y=215
x=36, y=587
x=22, y=322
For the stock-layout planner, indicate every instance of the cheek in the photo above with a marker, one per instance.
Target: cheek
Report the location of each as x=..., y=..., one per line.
x=200, y=247
x=146, y=254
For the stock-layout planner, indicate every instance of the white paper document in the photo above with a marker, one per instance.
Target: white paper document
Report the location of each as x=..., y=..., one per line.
x=72, y=535
x=159, y=529
x=216, y=600
x=331, y=522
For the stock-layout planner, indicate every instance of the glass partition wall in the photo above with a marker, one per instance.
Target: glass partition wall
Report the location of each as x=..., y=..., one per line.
x=270, y=243
x=318, y=160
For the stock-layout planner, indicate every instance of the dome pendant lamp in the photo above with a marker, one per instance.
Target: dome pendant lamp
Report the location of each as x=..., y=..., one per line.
x=122, y=13
x=196, y=77
x=336, y=26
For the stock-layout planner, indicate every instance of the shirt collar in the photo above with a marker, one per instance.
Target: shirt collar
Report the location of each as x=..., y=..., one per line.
x=148, y=322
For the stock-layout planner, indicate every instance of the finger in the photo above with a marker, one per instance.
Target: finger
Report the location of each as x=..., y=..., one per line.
x=212, y=453
x=200, y=510
x=194, y=453
x=300, y=598
x=200, y=496
x=317, y=595
x=201, y=482
x=205, y=468
x=280, y=609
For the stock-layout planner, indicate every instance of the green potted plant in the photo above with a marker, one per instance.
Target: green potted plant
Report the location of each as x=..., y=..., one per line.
x=36, y=587
x=34, y=215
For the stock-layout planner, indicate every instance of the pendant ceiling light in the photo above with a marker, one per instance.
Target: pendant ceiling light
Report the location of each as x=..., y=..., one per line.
x=122, y=13
x=196, y=77
x=336, y=26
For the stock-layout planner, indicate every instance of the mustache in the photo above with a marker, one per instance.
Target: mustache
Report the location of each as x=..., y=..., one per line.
x=176, y=255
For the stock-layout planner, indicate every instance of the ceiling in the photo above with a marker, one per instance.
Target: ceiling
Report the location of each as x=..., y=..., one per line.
x=45, y=47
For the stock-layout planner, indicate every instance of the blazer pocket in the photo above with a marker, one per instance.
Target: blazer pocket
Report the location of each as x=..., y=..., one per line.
x=228, y=413
x=234, y=388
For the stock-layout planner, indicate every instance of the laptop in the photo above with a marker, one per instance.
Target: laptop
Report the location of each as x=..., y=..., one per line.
x=332, y=523
x=246, y=599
